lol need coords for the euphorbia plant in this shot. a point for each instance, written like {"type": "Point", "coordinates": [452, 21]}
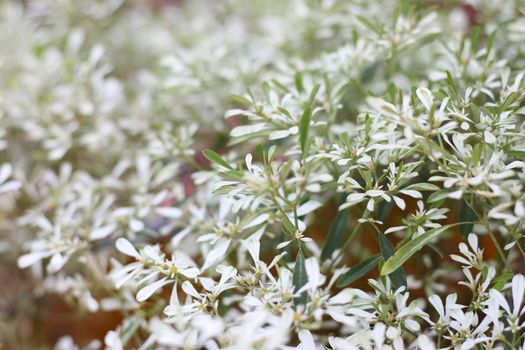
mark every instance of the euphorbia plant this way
{"type": "Point", "coordinates": [234, 186]}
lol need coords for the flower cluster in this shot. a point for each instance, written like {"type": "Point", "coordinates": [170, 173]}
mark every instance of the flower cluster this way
{"type": "Point", "coordinates": [230, 175]}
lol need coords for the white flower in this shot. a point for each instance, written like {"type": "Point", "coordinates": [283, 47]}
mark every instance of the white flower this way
{"type": "Point", "coordinates": [7, 186]}
{"type": "Point", "coordinates": [150, 263]}
{"type": "Point", "coordinates": [518, 303]}
{"type": "Point", "coordinates": [112, 341]}
{"type": "Point", "coordinates": [472, 257]}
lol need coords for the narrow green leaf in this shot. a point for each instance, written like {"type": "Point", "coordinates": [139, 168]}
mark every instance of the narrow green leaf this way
{"type": "Point", "coordinates": [392, 92]}
{"type": "Point", "coordinates": [466, 215]}
{"type": "Point", "coordinates": [129, 332]}
{"type": "Point", "coordinates": [438, 196]}
{"type": "Point", "coordinates": [368, 24]}
{"type": "Point", "coordinates": [287, 227]}
{"type": "Point", "coordinates": [490, 41]}
{"type": "Point", "coordinates": [452, 85]}
{"type": "Point", "coordinates": [358, 271]}
{"type": "Point", "coordinates": [285, 112]}
{"type": "Point", "coordinates": [214, 157]}
{"type": "Point", "coordinates": [518, 152]}
{"type": "Point", "coordinates": [280, 86]}
{"type": "Point", "coordinates": [369, 72]}
{"type": "Point", "coordinates": [313, 94]}
{"type": "Point", "coordinates": [474, 37]}
{"type": "Point", "coordinates": [422, 187]}
{"type": "Point", "coordinates": [509, 100]}
{"type": "Point", "coordinates": [266, 90]}
{"type": "Point", "coordinates": [500, 281]}
{"type": "Point", "coordinates": [398, 277]}
{"type": "Point", "coordinates": [241, 100]}
{"type": "Point", "coordinates": [300, 278]}
{"type": "Point", "coordinates": [335, 234]}
{"type": "Point", "coordinates": [383, 209]}
{"type": "Point", "coordinates": [405, 252]}
{"type": "Point", "coordinates": [304, 128]}
{"type": "Point", "coordinates": [298, 78]}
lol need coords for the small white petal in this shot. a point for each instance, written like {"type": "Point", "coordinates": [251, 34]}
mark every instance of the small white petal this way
{"type": "Point", "coordinates": [412, 193]}
{"type": "Point", "coordinates": [136, 225]}
{"type": "Point", "coordinates": [400, 203]}
{"type": "Point", "coordinates": [10, 186]}
{"type": "Point", "coordinates": [473, 241]}
{"type": "Point", "coordinates": [189, 289]}
{"type": "Point", "coordinates": [216, 254]}
{"type": "Point", "coordinates": [57, 262]}
{"type": "Point", "coordinates": [518, 290]}
{"type": "Point", "coordinates": [394, 229]}
{"type": "Point", "coordinates": [169, 212]}
{"type": "Point", "coordinates": [257, 221]}
{"type": "Point", "coordinates": [31, 258]}
{"type": "Point", "coordinates": [147, 291]}
{"type": "Point", "coordinates": [425, 96]}
{"type": "Point", "coordinates": [5, 171]}
{"type": "Point", "coordinates": [489, 137]}
{"type": "Point", "coordinates": [307, 341]}
{"type": "Point", "coordinates": [374, 193]}
{"type": "Point", "coordinates": [102, 232]}
{"type": "Point", "coordinates": [191, 272]}
{"type": "Point", "coordinates": [308, 207]}
{"type": "Point", "coordinates": [125, 247]}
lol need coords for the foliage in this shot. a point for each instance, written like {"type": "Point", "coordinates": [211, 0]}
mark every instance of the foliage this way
{"type": "Point", "coordinates": [172, 163]}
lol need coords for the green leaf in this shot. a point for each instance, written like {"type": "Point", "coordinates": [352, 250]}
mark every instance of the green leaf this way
{"type": "Point", "coordinates": [304, 128]}
{"type": "Point", "coordinates": [518, 152]}
{"type": "Point", "coordinates": [266, 90]}
{"type": "Point", "coordinates": [129, 332]}
{"type": "Point", "coordinates": [358, 271]}
{"type": "Point", "coordinates": [398, 277]}
{"type": "Point", "coordinates": [241, 100]}
{"type": "Point", "coordinates": [466, 215]}
{"type": "Point", "coordinates": [369, 24]}
{"type": "Point", "coordinates": [422, 187]}
{"type": "Point", "coordinates": [280, 86]}
{"type": "Point", "coordinates": [499, 281]}
{"type": "Point", "coordinates": [509, 100]}
{"type": "Point", "coordinates": [214, 157]}
{"type": "Point", "coordinates": [298, 79]}
{"type": "Point", "coordinates": [300, 278]}
{"type": "Point", "coordinates": [452, 85]}
{"type": "Point", "coordinates": [313, 94]}
{"type": "Point", "coordinates": [490, 41]}
{"type": "Point", "coordinates": [405, 252]}
{"type": "Point", "coordinates": [369, 72]}
{"type": "Point", "coordinates": [335, 234]}
{"type": "Point", "coordinates": [287, 227]}
{"type": "Point", "coordinates": [392, 90]}
{"type": "Point", "coordinates": [383, 209]}
{"type": "Point", "coordinates": [438, 196]}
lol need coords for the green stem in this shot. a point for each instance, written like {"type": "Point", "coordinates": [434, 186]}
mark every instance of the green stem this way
{"type": "Point", "coordinates": [484, 220]}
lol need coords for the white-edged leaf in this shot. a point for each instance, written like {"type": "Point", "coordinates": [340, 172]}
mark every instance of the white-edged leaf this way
{"type": "Point", "coordinates": [244, 130]}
